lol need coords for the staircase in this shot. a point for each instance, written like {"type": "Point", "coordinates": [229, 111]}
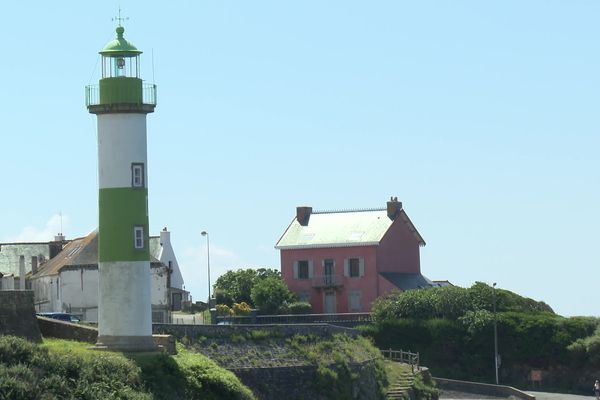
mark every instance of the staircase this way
{"type": "Point", "coordinates": [401, 389]}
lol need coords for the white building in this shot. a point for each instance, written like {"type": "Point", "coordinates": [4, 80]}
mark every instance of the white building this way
{"type": "Point", "coordinates": [68, 282]}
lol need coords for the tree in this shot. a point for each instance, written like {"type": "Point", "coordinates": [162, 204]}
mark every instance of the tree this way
{"type": "Point", "coordinates": [271, 294]}
{"type": "Point", "coordinates": [236, 286]}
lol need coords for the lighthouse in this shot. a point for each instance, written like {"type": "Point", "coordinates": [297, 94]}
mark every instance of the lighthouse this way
{"type": "Point", "coordinates": [121, 101]}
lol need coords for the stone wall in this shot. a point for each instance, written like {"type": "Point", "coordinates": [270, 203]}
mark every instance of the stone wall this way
{"type": "Point", "coordinates": [83, 333]}
{"type": "Point", "coordinates": [194, 331]}
{"type": "Point", "coordinates": [67, 330]}
{"type": "Point", "coordinates": [300, 383]}
{"type": "Point", "coordinates": [17, 315]}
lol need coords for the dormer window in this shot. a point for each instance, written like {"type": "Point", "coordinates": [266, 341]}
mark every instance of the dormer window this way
{"type": "Point", "coordinates": [137, 175]}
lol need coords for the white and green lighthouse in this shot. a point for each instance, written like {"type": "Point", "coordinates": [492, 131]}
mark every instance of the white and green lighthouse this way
{"type": "Point", "coordinates": [121, 102]}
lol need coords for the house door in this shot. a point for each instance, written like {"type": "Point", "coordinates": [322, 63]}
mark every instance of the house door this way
{"type": "Point", "coordinates": [329, 302]}
{"type": "Point", "coordinates": [176, 305]}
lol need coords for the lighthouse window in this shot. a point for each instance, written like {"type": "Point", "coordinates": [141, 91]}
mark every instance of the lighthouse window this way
{"type": "Point", "coordinates": [137, 174]}
{"type": "Point", "coordinates": [138, 237]}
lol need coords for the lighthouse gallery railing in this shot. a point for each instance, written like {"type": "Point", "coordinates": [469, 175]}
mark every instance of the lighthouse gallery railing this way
{"type": "Point", "coordinates": [92, 94]}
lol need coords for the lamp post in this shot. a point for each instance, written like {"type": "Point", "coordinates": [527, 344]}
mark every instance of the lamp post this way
{"type": "Point", "coordinates": [495, 332]}
{"type": "Point", "coordinates": [204, 233]}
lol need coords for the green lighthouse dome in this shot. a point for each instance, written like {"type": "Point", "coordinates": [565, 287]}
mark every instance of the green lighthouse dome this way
{"type": "Point", "coordinates": [120, 46]}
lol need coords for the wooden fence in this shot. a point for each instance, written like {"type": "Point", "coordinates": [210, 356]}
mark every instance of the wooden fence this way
{"type": "Point", "coordinates": [402, 356]}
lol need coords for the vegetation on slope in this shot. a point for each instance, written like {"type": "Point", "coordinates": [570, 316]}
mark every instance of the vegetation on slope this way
{"type": "Point", "coordinates": [69, 370]}
{"type": "Point", "coordinates": [452, 329]}
{"type": "Point", "coordinates": [333, 357]}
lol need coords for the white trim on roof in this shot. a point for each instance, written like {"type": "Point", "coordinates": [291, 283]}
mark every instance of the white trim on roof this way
{"type": "Point", "coordinates": [324, 245]}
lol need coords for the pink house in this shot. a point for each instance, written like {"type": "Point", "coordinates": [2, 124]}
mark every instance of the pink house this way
{"type": "Point", "coordinates": [340, 261]}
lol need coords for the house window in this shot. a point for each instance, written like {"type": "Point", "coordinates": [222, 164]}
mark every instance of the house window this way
{"type": "Point", "coordinates": [304, 296]}
{"type": "Point", "coordinates": [137, 174]}
{"type": "Point", "coordinates": [303, 269]}
{"type": "Point", "coordinates": [138, 237]}
{"type": "Point", "coordinates": [354, 267]}
{"type": "Point", "coordinates": [328, 271]}
{"type": "Point", "coordinates": [354, 301]}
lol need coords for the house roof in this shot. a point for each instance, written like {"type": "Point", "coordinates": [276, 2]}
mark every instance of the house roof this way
{"type": "Point", "coordinates": [341, 229]}
{"type": "Point", "coordinates": [406, 281]}
{"type": "Point", "coordinates": [79, 252]}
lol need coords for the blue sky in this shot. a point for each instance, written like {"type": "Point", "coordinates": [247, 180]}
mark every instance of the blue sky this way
{"type": "Point", "coordinates": [481, 117]}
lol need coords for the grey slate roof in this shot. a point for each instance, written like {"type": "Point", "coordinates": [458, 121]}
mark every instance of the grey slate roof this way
{"type": "Point", "coordinates": [341, 229]}
{"type": "Point", "coordinates": [406, 281]}
{"type": "Point", "coordinates": [79, 252]}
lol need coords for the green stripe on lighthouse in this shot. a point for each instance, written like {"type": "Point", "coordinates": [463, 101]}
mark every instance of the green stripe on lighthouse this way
{"type": "Point", "coordinates": [121, 209]}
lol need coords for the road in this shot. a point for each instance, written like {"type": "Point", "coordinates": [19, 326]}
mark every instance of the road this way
{"type": "Point", "coordinates": [451, 395]}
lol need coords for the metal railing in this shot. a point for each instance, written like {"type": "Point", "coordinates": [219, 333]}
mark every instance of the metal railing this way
{"type": "Point", "coordinates": [344, 319]}
{"type": "Point", "coordinates": [402, 356]}
{"type": "Point", "coordinates": [326, 281]}
{"type": "Point", "coordinates": [92, 94]}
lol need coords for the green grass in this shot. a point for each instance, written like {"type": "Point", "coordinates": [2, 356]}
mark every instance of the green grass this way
{"type": "Point", "coordinates": [395, 371]}
{"type": "Point", "coordinates": [69, 370]}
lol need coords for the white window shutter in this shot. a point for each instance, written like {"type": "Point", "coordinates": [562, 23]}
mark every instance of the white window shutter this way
{"type": "Point", "coordinates": [346, 267]}
{"type": "Point", "coordinates": [311, 269]}
{"type": "Point", "coordinates": [295, 269]}
{"type": "Point", "coordinates": [361, 267]}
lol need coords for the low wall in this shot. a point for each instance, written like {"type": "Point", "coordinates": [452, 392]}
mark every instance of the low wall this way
{"type": "Point", "coordinates": [482, 388]}
{"type": "Point", "coordinates": [17, 315]}
{"type": "Point", "coordinates": [194, 331]}
{"type": "Point", "coordinates": [66, 330]}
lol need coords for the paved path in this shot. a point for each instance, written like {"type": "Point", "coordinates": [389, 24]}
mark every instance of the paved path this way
{"type": "Point", "coordinates": [559, 396]}
{"type": "Point", "coordinates": [452, 395]}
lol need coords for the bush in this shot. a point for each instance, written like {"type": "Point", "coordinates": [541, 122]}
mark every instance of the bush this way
{"type": "Point", "coordinates": [299, 307]}
{"type": "Point", "coordinates": [241, 308]}
{"type": "Point", "coordinates": [62, 369]}
{"type": "Point", "coordinates": [271, 294]}
{"type": "Point", "coordinates": [451, 302]}
{"type": "Point", "coordinates": [223, 309]}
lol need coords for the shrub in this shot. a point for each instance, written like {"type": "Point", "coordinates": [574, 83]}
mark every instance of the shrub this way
{"type": "Point", "coordinates": [241, 308]}
{"type": "Point", "coordinates": [299, 307]}
{"type": "Point", "coordinates": [271, 294]}
{"type": "Point", "coordinates": [223, 309]}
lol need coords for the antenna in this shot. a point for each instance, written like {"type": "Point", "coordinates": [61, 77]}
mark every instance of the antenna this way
{"type": "Point", "coordinates": [119, 19]}
{"type": "Point", "coordinates": [61, 227]}
{"type": "Point", "coordinates": [153, 80]}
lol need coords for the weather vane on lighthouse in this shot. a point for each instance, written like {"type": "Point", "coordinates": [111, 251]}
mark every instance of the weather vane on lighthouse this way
{"type": "Point", "coordinates": [119, 19]}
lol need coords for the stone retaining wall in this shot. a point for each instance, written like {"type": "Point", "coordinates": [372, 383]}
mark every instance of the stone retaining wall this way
{"type": "Point", "coordinates": [300, 383]}
{"type": "Point", "coordinates": [17, 315]}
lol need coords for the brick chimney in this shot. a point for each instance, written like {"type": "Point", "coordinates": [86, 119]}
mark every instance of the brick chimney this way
{"type": "Point", "coordinates": [34, 264]}
{"type": "Point", "coordinates": [393, 208]}
{"type": "Point", "coordinates": [303, 215]}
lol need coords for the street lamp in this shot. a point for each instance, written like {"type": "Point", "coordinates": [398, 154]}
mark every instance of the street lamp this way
{"type": "Point", "coordinates": [204, 233]}
{"type": "Point", "coordinates": [495, 333]}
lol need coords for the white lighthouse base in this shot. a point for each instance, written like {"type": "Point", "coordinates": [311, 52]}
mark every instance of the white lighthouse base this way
{"type": "Point", "coordinates": [124, 306]}
{"type": "Point", "coordinates": [126, 343]}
